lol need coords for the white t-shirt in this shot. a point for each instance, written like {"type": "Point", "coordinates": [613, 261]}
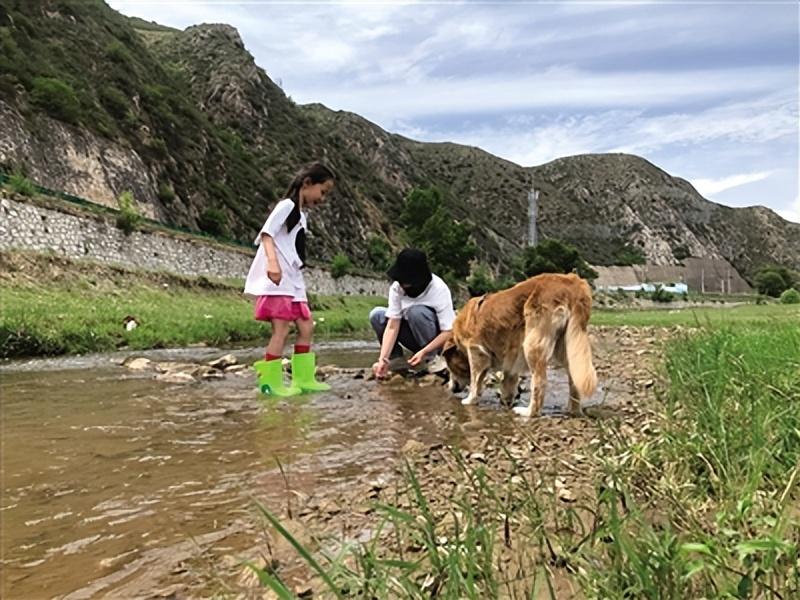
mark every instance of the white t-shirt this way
{"type": "Point", "coordinates": [436, 295]}
{"type": "Point", "coordinates": [292, 283]}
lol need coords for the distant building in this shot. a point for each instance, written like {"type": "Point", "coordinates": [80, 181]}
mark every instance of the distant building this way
{"type": "Point", "coordinates": [675, 288]}
{"type": "Point", "coordinates": [704, 275]}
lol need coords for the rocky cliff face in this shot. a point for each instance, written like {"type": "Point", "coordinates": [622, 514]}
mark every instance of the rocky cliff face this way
{"type": "Point", "coordinates": [189, 122]}
{"type": "Point", "coordinates": [75, 161]}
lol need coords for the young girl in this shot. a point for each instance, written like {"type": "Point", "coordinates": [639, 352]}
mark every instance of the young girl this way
{"type": "Point", "coordinates": [276, 280]}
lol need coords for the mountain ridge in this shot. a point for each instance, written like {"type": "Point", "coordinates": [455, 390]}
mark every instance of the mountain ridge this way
{"type": "Point", "coordinates": [190, 122]}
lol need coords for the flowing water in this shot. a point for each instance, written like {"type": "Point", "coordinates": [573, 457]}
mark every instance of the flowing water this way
{"type": "Point", "coordinates": [112, 480]}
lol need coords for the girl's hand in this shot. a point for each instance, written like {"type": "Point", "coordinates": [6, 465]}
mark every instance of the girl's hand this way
{"type": "Point", "coordinates": [275, 275]}
{"type": "Point", "coordinates": [417, 358]}
{"type": "Point", "coordinates": [380, 369]}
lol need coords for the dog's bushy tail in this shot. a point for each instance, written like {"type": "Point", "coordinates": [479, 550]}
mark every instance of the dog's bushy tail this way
{"type": "Point", "coordinates": [579, 353]}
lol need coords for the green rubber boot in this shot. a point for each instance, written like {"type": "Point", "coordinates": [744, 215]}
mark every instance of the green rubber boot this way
{"type": "Point", "coordinates": [270, 378]}
{"type": "Point", "coordinates": [303, 373]}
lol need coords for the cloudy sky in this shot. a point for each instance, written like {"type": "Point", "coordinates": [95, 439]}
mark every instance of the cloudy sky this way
{"type": "Point", "coordinates": [706, 90]}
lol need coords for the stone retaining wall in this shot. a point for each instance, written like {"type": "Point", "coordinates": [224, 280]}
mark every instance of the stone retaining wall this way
{"type": "Point", "coordinates": [26, 226]}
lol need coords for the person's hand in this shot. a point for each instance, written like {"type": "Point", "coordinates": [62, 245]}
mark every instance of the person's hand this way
{"type": "Point", "coordinates": [380, 369]}
{"type": "Point", "coordinates": [275, 275]}
{"type": "Point", "coordinates": [417, 358]}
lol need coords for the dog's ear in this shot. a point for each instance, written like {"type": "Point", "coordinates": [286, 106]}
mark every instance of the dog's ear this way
{"type": "Point", "coordinates": [449, 349]}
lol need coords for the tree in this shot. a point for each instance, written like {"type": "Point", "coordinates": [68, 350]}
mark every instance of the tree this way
{"type": "Point", "coordinates": [430, 227]}
{"type": "Point", "coordinates": [554, 256]}
{"type": "Point", "coordinates": [420, 205]}
{"type": "Point", "coordinates": [773, 280]}
{"type": "Point", "coordinates": [770, 283]}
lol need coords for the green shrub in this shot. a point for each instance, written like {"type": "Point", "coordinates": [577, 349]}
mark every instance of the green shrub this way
{"type": "Point", "coordinates": [790, 296]}
{"type": "Point", "coordinates": [481, 282]}
{"type": "Point", "coordinates": [379, 252]}
{"type": "Point", "coordinates": [340, 265]}
{"type": "Point", "coordinates": [213, 221]}
{"type": "Point", "coordinates": [662, 295]}
{"type": "Point", "coordinates": [166, 194]}
{"type": "Point", "coordinates": [21, 185]}
{"type": "Point", "coordinates": [114, 102]}
{"type": "Point", "coordinates": [118, 53]}
{"type": "Point", "coordinates": [128, 218]}
{"type": "Point", "coordinates": [681, 252]}
{"type": "Point", "coordinates": [57, 98]}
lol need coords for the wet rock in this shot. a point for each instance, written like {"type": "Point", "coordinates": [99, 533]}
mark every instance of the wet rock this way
{"type": "Point", "coordinates": [175, 377]}
{"type": "Point", "coordinates": [212, 374]}
{"type": "Point", "coordinates": [327, 370]}
{"type": "Point", "coordinates": [429, 380]}
{"type": "Point", "coordinates": [478, 456]}
{"type": "Point", "coordinates": [137, 364]}
{"type": "Point", "coordinates": [414, 447]}
{"type": "Point", "coordinates": [223, 362]}
{"type": "Point", "coordinates": [177, 367]}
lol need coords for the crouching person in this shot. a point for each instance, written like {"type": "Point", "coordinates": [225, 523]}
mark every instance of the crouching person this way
{"type": "Point", "coordinates": [419, 317]}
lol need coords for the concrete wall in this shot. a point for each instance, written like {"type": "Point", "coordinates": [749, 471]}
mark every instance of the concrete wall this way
{"type": "Point", "coordinates": [27, 226]}
{"type": "Point", "coordinates": [711, 275]}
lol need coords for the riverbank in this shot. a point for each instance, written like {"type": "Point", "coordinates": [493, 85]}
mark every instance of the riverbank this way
{"type": "Point", "coordinates": [52, 306]}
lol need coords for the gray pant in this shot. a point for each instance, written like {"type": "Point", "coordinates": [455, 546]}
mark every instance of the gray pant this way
{"type": "Point", "coordinates": [419, 327]}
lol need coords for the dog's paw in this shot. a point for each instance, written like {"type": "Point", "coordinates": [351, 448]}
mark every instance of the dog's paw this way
{"type": "Point", "coordinates": [468, 400]}
{"type": "Point", "coordinates": [522, 411]}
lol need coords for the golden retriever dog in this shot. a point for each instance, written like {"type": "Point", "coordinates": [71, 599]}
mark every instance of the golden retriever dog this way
{"type": "Point", "coordinates": [519, 330]}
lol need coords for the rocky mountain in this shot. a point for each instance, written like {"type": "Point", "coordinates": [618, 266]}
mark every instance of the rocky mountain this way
{"type": "Point", "coordinates": [95, 103]}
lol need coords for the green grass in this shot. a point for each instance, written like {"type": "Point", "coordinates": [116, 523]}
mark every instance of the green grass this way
{"type": "Point", "coordinates": [88, 317]}
{"type": "Point", "coordinates": [704, 505]}
{"type": "Point", "coordinates": [710, 316]}
{"type": "Point", "coordinates": [712, 501]}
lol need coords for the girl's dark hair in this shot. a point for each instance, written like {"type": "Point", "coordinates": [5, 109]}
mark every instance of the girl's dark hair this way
{"type": "Point", "coordinates": [316, 173]}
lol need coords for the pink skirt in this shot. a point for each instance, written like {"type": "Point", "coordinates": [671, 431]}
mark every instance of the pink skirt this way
{"type": "Point", "coordinates": [281, 307]}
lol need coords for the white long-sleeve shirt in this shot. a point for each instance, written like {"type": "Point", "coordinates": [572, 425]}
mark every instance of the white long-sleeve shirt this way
{"type": "Point", "coordinates": [292, 283]}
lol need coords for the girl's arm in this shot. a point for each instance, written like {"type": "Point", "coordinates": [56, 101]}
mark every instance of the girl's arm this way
{"type": "Point", "coordinates": [390, 334]}
{"type": "Point", "coordinates": [273, 266]}
{"type": "Point", "coordinates": [433, 345]}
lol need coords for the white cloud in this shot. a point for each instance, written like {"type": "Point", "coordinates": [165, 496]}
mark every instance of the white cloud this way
{"type": "Point", "coordinates": [558, 88]}
{"type": "Point", "coordinates": [702, 90]}
{"type": "Point", "coordinates": [793, 212]}
{"type": "Point", "coordinates": [710, 187]}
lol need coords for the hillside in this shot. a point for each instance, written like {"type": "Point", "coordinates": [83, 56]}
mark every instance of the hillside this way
{"type": "Point", "coordinates": [95, 103]}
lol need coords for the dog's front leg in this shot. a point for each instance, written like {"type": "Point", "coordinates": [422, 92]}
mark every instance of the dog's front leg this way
{"type": "Point", "coordinates": [479, 363]}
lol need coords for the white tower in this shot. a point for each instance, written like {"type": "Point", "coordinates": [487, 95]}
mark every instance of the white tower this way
{"type": "Point", "coordinates": [533, 212]}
